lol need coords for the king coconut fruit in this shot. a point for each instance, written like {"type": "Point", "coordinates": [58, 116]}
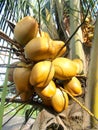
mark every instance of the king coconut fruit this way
{"type": "Point", "coordinates": [25, 30]}
{"type": "Point", "coordinates": [59, 100]}
{"type": "Point", "coordinates": [64, 68]}
{"type": "Point", "coordinates": [79, 64]}
{"type": "Point", "coordinates": [42, 73]}
{"type": "Point", "coordinates": [42, 48]}
{"type": "Point", "coordinates": [21, 77]}
{"type": "Point", "coordinates": [58, 48]}
{"type": "Point", "coordinates": [47, 92]}
{"type": "Point", "coordinates": [73, 86]}
{"type": "Point", "coordinates": [38, 49]}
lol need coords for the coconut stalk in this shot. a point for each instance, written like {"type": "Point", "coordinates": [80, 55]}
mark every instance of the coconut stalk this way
{"type": "Point", "coordinates": [76, 48]}
{"type": "Point", "coordinates": [92, 83]}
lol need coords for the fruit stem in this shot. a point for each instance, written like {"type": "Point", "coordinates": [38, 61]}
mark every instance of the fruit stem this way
{"type": "Point", "coordinates": [39, 17]}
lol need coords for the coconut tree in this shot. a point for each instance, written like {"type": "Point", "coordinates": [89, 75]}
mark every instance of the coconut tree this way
{"type": "Point", "coordinates": [66, 20]}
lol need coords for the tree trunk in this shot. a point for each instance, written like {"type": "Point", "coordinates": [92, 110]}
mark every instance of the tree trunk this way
{"type": "Point", "coordinates": [92, 84]}
{"type": "Point", "coordinates": [76, 48]}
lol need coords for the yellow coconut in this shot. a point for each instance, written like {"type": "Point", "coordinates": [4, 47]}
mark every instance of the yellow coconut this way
{"type": "Point", "coordinates": [45, 99]}
{"type": "Point", "coordinates": [25, 30]}
{"type": "Point", "coordinates": [47, 91]}
{"type": "Point", "coordinates": [64, 68]}
{"type": "Point", "coordinates": [38, 49]}
{"type": "Point", "coordinates": [41, 48]}
{"type": "Point", "coordinates": [73, 86]}
{"type": "Point", "coordinates": [58, 48]}
{"type": "Point", "coordinates": [79, 64]}
{"type": "Point", "coordinates": [60, 100]}
{"type": "Point", "coordinates": [42, 73]}
{"type": "Point", "coordinates": [21, 77]}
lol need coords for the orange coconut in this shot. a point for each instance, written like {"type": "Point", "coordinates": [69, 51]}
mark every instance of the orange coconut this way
{"type": "Point", "coordinates": [79, 64]}
{"type": "Point", "coordinates": [45, 99]}
{"type": "Point", "coordinates": [64, 68]}
{"type": "Point", "coordinates": [38, 49]}
{"type": "Point", "coordinates": [21, 77]}
{"type": "Point", "coordinates": [73, 86]}
{"type": "Point", "coordinates": [57, 48]}
{"type": "Point", "coordinates": [25, 30]}
{"type": "Point", "coordinates": [60, 100]}
{"type": "Point", "coordinates": [47, 91]}
{"type": "Point", "coordinates": [42, 73]}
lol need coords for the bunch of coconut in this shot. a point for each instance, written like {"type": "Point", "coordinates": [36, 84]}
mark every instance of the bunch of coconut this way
{"type": "Point", "coordinates": [47, 67]}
